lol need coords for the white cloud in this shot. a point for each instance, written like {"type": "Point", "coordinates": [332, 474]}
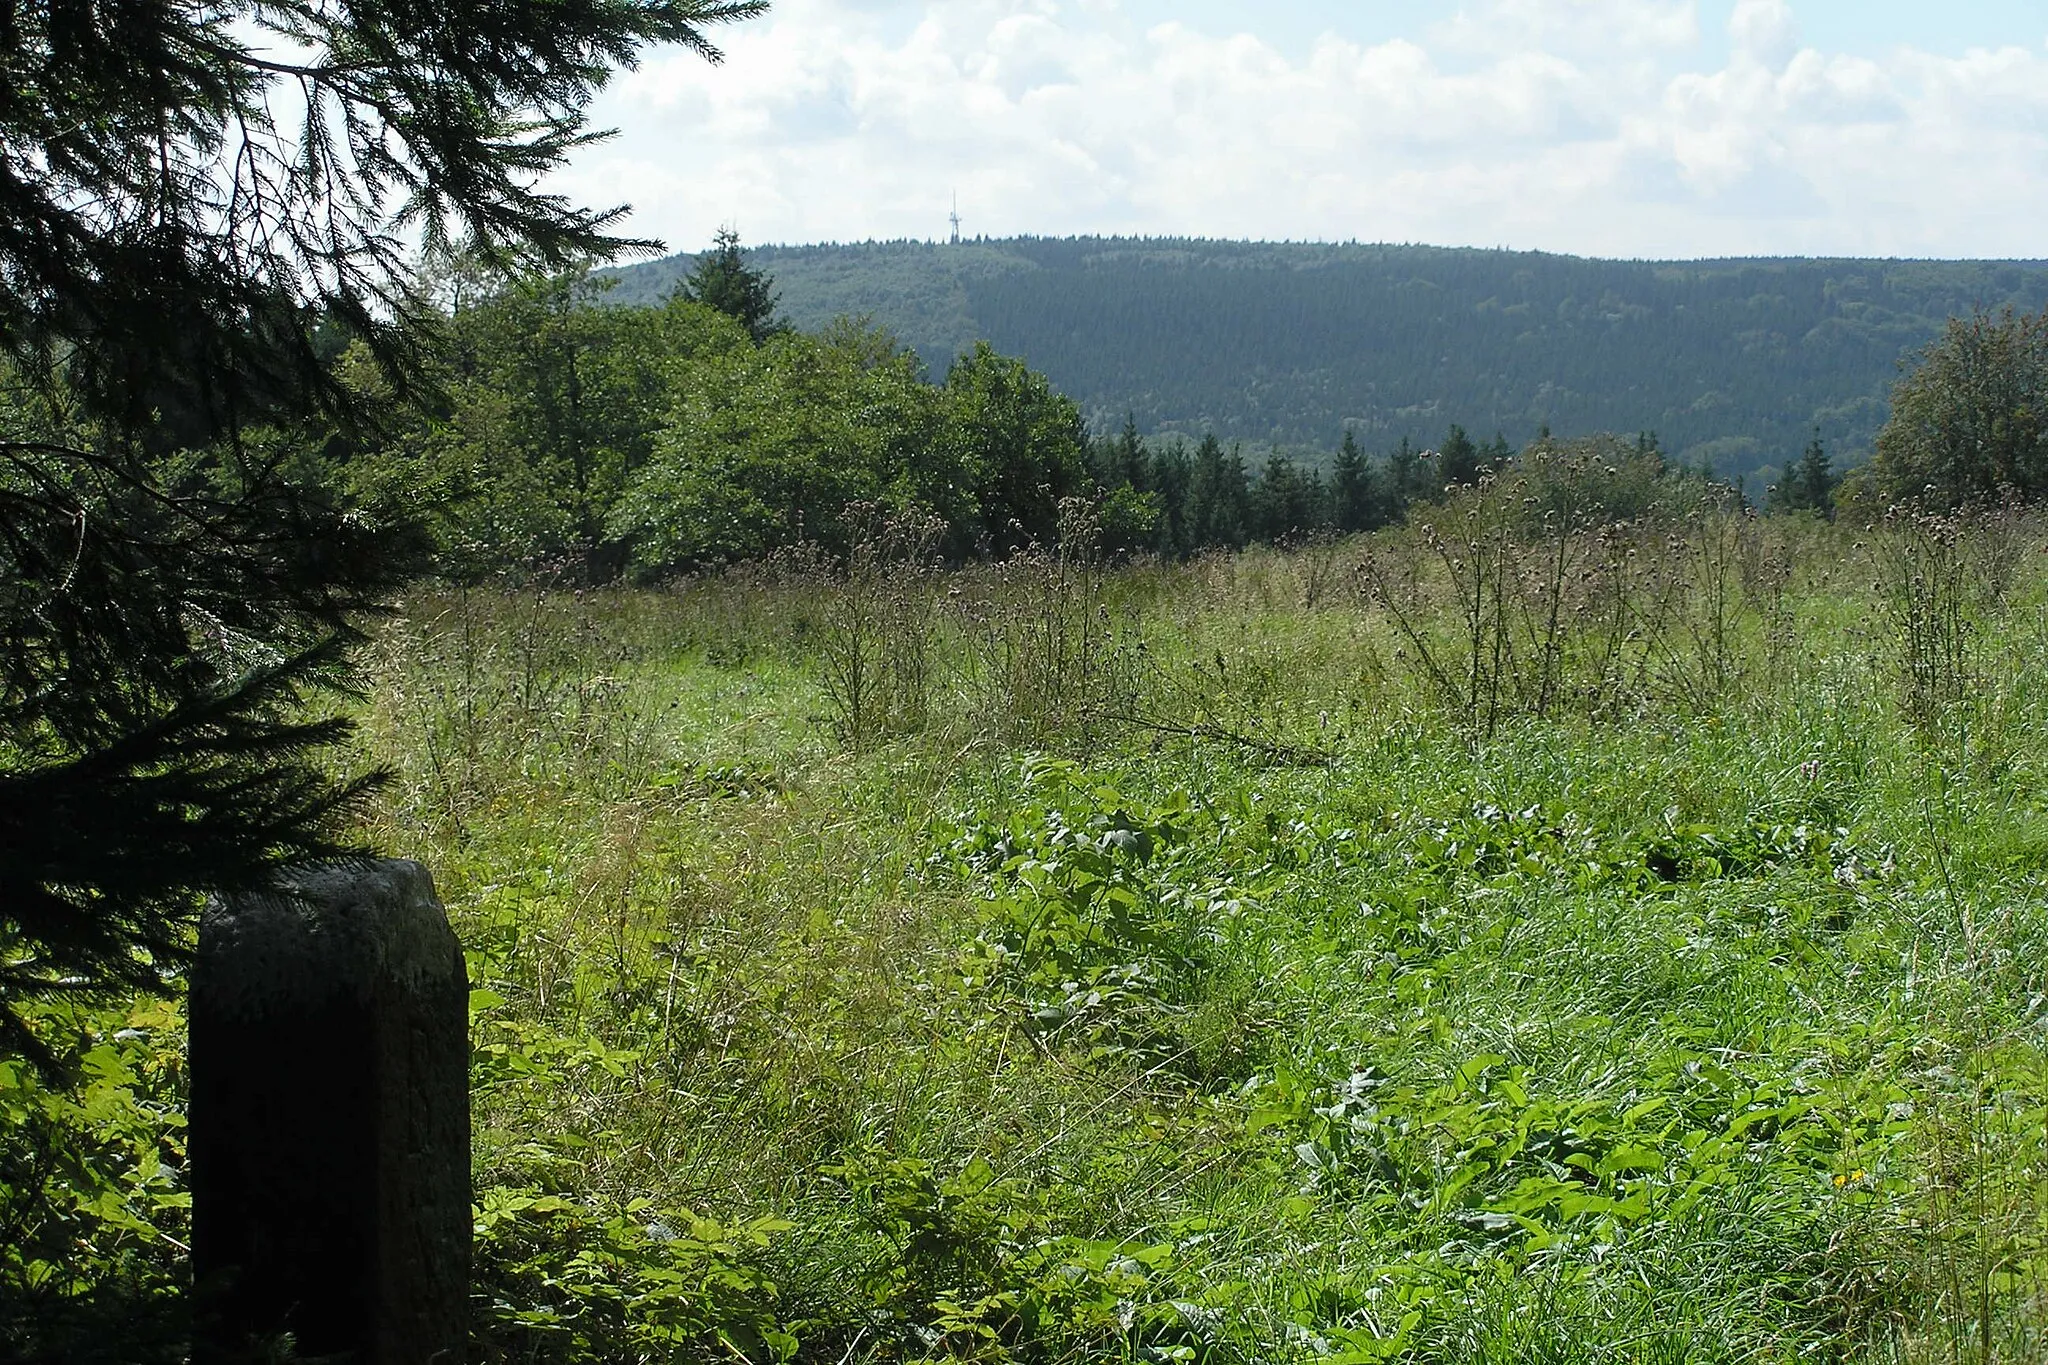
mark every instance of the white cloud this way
{"type": "Point", "coordinates": [1576, 125]}
{"type": "Point", "coordinates": [1605, 28]}
{"type": "Point", "coordinates": [1764, 31]}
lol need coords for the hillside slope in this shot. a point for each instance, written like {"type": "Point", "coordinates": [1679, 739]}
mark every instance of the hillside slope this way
{"type": "Point", "coordinates": [1736, 362]}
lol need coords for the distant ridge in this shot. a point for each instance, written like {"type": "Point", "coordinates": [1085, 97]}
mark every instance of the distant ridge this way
{"type": "Point", "coordinates": [1735, 362]}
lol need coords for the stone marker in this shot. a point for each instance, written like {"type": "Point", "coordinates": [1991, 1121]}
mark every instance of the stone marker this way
{"type": "Point", "coordinates": [329, 1121]}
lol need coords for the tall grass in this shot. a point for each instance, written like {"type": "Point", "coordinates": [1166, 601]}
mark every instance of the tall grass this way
{"type": "Point", "coordinates": [1540, 936]}
{"type": "Point", "coordinates": [1522, 937]}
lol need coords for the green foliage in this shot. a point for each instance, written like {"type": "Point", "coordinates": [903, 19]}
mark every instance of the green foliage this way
{"type": "Point", "coordinates": [588, 439]}
{"type": "Point", "coordinates": [1324, 1026]}
{"type": "Point", "coordinates": [770, 447]}
{"type": "Point", "coordinates": [153, 280]}
{"type": "Point", "coordinates": [876, 647]}
{"type": "Point", "coordinates": [1219, 497]}
{"type": "Point", "coordinates": [1944, 582]}
{"type": "Point", "coordinates": [178, 266]}
{"type": "Point", "coordinates": [1354, 507]}
{"type": "Point", "coordinates": [725, 282]}
{"type": "Point", "coordinates": [551, 407]}
{"type": "Point", "coordinates": [595, 438]}
{"type": "Point", "coordinates": [1019, 444]}
{"type": "Point", "coordinates": [1602, 480]}
{"type": "Point", "coordinates": [1457, 461]}
{"type": "Point", "coordinates": [557, 1281]}
{"type": "Point", "coordinates": [1042, 651]}
{"type": "Point", "coordinates": [973, 1271]}
{"type": "Point", "coordinates": [93, 1209]}
{"type": "Point", "coordinates": [1969, 424]}
{"type": "Point", "coordinates": [1293, 344]}
{"type": "Point", "coordinates": [1286, 504]}
{"type": "Point", "coordinates": [1079, 935]}
{"type": "Point", "coordinates": [1809, 486]}
{"type": "Point", "coordinates": [1569, 586]}
{"type": "Point", "coordinates": [161, 639]}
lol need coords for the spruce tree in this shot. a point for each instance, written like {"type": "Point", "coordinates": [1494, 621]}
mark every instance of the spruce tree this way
{"type": "Point", "coordinates": [1458, 462]}
{"type": "Point", "coordinates": [1402, 468]}
{"type": "Point", "coordinates": [179, 262]}
{"type": "Point", "coordinates": [723, 280]}
{"type": "Point", "coordinates": [1169, 475]}
{"type": "Point", "coordinates": [1275, 501]}
{"type": "Point", "coordinates": [1219, 497]}
{"type": "Point", "coordinates": [1205, 494]}
{"type": "Point", "coordinates": [1808, 486]}
{"type": "Point", "coordinates": [1351, 487]}
{"type": "Point", "coordinates": [1236, 498]}
{"type": "Point", "coordinates": [1815, 481]}
{"type": "Point", "coordinates": [1316, 511]}
{"type": "Point", "coordinates": [1496, 454]}
{"type": "Point", "coordinates": [1128, 466]}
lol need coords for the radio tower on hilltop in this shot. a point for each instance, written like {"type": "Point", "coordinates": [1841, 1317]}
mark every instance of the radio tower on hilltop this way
{"type": "Point", "coordinates": [955, 218]}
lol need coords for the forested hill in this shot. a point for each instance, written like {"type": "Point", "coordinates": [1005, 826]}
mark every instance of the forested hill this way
{"type": "Point", "coordinates": [1735, 361]}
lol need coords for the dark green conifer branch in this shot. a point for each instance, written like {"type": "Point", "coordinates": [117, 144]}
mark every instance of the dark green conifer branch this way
{"type": "Point", "coordinates": [200, 206]}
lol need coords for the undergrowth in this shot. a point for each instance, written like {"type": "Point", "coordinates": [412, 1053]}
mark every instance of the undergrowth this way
{"type": "Point", "coordinates": [1625, 951]}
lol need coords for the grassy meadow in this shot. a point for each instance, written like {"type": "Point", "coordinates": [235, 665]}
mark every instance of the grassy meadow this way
{"type": "Point", "coordinates": [1483, 941]}
{"type": "Point", "coordinates": [1625, 944]}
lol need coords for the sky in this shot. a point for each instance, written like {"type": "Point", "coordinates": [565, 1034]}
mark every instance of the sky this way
{"type": "Point", "coordinates": [1632, 128]}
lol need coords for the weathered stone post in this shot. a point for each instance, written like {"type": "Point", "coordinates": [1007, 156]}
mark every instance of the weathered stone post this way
{"type": "Point", "coordinates": [329, 1121]}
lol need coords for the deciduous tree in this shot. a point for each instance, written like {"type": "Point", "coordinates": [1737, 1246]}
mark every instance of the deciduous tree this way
{"type": "Point", "coordinates": [1971, 420]}
{"type": "Point", "coordinates": [1019, 441]}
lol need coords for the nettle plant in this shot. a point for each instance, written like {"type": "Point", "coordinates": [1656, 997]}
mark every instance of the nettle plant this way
{"type": "Point", "coordinates": [1091, 940]}
{"type": "Point", "coordinates": [981, 1264]}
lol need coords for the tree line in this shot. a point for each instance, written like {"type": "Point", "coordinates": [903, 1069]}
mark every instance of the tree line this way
{"type": "Point", "coordinates": [570, 433]}
{"type": "Point", "coordinates": [1171, 499]}
{"type": "Point", "coordinates": [610, 441]}
{"type": "Point", "coordinates": [1733, 362]}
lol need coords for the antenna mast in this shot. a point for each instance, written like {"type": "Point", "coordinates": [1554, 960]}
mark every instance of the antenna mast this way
{"type": "Point", "coordinates": [955, 219]}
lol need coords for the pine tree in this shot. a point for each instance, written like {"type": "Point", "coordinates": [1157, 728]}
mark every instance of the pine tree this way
{"type": "Point", "coordinates": [178, 267]}
{"type": "Point", "coordinates": [723, 280]}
